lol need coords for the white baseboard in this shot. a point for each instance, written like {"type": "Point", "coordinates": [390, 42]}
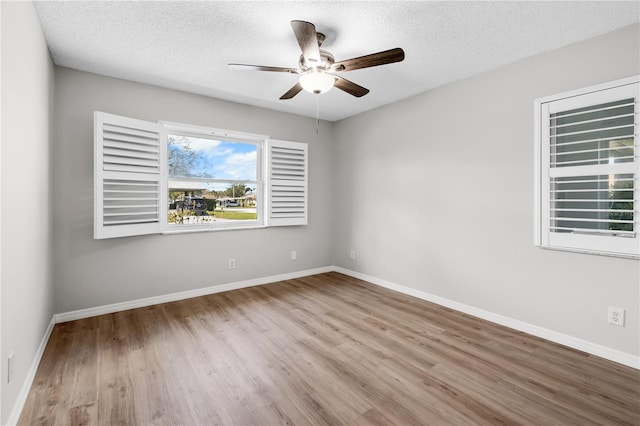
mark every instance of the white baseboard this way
{"type": "Point", "coordinates": [563, 339]}
{"type": "Point", "coordinates": [139, 303]}
{"type": "Point", "coordinates": [14, 416]}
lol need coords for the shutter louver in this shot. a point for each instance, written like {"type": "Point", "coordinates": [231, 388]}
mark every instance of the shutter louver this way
{"type": "Point", "coordinates": [130, 201]}
{"type": "Point", "coordinates": [130, 150]}
{"type": "Point", "coordinates": [602, 137]}
{"type": "Point", "coordinates": [287, 183]}
{"type": "Point", "coordinates": [129, 176]}
{"type": "Point", "coordinates": [600, 134]}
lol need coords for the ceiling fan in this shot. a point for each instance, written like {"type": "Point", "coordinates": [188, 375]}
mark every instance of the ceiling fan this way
{"type": "Point", "coordinates": [318, 69]}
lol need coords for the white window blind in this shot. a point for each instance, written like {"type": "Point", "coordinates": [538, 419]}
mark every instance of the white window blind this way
{"type": "Point", "coordinates": [287, 183]}
{"type": "Point", "coordinates": [588, 178]}
{"type": "Point", "coordinates": [130, 181]}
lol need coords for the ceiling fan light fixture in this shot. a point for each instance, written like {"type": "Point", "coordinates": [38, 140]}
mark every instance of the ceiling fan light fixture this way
{"type": "Point", "coordinates": [317, 81]}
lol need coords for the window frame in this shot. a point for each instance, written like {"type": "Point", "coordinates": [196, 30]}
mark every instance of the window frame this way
{"type": "Point", "coordinates": [543, 108]}
{"type": "Point", "coordinates": [201, 132]}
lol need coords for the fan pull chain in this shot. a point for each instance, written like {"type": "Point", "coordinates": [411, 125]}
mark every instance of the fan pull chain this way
{"type": "Point", "coordinates": [317, 113]}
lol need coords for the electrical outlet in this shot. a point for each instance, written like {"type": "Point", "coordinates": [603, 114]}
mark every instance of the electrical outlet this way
{"type": "Point", "coordinates": [616, 316]}
{"type": "Point", "coordinates": [352, 254]}
{"type": "Point", "coordinates": [232, 264]}
{"type": "Point", "coordinates": [294, 255]}
{"type": "Point", "coordinates": [10, 370]}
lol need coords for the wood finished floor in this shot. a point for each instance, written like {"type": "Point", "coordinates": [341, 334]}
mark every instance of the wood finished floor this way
{"type": "Point", "coordinates": [325, 349]}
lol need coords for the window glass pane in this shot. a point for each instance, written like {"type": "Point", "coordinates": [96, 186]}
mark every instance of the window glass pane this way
{"type": "Point", "coordinates": [211, 181]}
{"type": "Point", "coordinates": [213, 203]}
{"type": "Point", "coordinates": [191, 157]}
{"type": "Point", "coordinates": [600, 204]}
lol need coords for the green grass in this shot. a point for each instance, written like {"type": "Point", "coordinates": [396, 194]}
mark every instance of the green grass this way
{"type": "Point", "coordinates": [230, 214]}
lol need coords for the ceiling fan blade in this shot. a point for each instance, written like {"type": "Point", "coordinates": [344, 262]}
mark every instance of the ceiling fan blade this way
{"type": "Point", "coordinates": [308, 40]}
{"type": "Point", "coordinates": [373, 60]}
{"type": "Point", "coordinates": [263, 68]}
{"type": "Point", "coordinates": [350, 87]}
{"type": "Point", "coordinates": [292, 92]}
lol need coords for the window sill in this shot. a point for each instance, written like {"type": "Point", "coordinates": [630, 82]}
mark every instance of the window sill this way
{"type": "Point", "coordinates": [212, 229]}
{"type": "Point", "coordinates": [596, 253]}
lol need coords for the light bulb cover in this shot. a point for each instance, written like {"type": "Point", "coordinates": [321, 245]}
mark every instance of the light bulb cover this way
{"type": "Point", "coordinates": [317, 82]}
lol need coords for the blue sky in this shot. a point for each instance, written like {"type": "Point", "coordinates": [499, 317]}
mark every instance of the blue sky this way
{"type": "Point", "coordinates": [221, 159]}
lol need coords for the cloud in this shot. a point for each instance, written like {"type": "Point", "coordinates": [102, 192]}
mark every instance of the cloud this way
{"type": "Point", "coordinates": [242, 158]}
{"type": "Point", "coordinates": [209, 147]}
{"type": "Point", "coordinates": [240, 166]}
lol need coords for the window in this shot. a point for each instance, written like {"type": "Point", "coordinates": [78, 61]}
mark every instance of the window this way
{"type": "Point", "coordinates": [213, 180]}
{"type": "Point", "coordinates": [165, 177]}
{"type": "Point", "coordinates": [587, 170]}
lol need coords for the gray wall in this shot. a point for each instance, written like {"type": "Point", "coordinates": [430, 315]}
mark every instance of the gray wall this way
{"type": "Point", "coordinates": [442, 197]}
{"type": "Point", "coordinates": [27, 285]}
{"type": "Point", "coordinates": [91, 273]}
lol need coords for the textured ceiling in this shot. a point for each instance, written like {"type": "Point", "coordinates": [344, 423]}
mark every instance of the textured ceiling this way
{"type": "Point", "coordinates": [187, 45]}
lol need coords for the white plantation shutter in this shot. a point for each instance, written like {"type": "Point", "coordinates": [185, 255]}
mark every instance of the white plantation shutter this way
{"type": "Point", "coordinates": [589, 159]}
{"type": "Point", "coordinates": [130, 176]}
{"type": "Point", "coordinates": [287, 175]}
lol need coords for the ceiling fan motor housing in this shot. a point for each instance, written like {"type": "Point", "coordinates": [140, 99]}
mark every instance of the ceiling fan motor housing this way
{"type": "Point", "coordinates": [326, 61]}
